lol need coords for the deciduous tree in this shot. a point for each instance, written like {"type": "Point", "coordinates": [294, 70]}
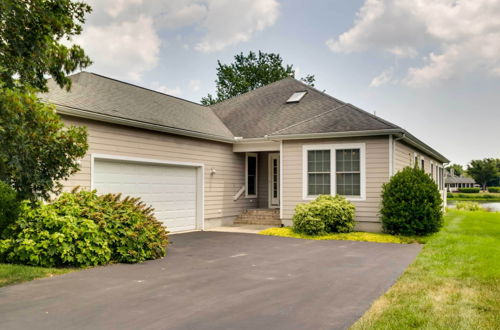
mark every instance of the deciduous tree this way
{"type": "Point", "coordinates": [483, 171]}
{"type": "Point", "coordinates": [249, 72]}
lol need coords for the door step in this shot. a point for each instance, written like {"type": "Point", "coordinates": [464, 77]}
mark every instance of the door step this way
{"type": "Point", "coordinates": [269, 217]}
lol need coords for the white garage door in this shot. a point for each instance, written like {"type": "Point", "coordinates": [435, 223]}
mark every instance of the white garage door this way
{"type": "Point", "coordinates": [171, 190]}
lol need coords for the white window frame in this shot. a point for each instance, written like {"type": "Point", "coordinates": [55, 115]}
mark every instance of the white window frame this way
{"type": "Point", "coordinates": [333, 170]}
{"type": "Point", "coordinates": [251, 154]}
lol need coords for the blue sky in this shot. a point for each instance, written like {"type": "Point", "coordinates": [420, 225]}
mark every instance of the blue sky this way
{"type": "Point", "coordinates": [432, 67]}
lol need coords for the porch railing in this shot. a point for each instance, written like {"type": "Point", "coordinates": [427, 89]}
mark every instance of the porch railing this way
{"type": "Point", "coordinates": [239, 193]}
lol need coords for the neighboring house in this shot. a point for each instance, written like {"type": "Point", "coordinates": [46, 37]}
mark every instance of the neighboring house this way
{"type": "Point", "coordinates": [273, 147]}
{"type": "Point", "coordinates": [452, 182]}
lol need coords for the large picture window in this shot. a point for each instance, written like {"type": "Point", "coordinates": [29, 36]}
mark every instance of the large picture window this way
{"type": "Point", "coordinates": [251, 175]}
{"type": "Point", "coordinates": [318, 172]}
{"type": "Point", "coordinates": [334, 169]}
{"type": "Point", "coordinates": [348, 172]}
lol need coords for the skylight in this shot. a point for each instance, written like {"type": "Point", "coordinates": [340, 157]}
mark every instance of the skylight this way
{"type": "Point", "coordinates": [296, 97]}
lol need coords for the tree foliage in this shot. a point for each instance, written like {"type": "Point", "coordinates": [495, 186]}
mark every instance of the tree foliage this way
{"type": "Point", "coordinates": [249, 72]}
{"type": "Point", "coordinates": [32, 33]}
{"type": "Point", "coordinates": [36, 150]}
{"type": "Point", "coordinates": [484, 171]}
{"type": "Point", "coordinates": [458, 170]}
{"type": "Point", "coordinates": [411, 204]}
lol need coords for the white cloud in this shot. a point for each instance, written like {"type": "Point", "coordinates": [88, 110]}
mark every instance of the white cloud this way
{"type": "Point", "coordinates": [122, 50]}
{"type": "Point", "coordinates": [229, 22]}
{"type": "Point", "coordinates": [452, 37]}
{"type": "Point", "coordinates": [382, 78]}
{"type": "Point", "coordinates": [166, 90]}
{"type": "Point", "coordinates": [194, 85]}
{"type": "Point", "coordinates": [122, 36]}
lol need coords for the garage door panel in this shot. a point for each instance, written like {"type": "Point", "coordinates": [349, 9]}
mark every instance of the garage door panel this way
{"type": "Point", "coordinates": [170, 190]}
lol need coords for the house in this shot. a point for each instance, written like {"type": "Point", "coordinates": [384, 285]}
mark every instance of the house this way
{"type": "Point", "coordinates": [265, 151]}
{"type": "Point", "coordinates": [453, 183]}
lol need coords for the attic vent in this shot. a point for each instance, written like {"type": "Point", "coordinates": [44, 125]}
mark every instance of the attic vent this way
{"type": "Point", "coordinates": [296, 97]}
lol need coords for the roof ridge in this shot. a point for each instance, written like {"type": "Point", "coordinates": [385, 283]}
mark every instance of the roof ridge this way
{"type": "Point", "coordinates": [311, 118]}
{"type": "Point", "coordinates": [353, 106]}
{"type": "Point", "coordinates": [141, 87]}
{"type": "Point", "coordinates": [251, 91]}
{"type": "Point", "coordinates": [374, 116]}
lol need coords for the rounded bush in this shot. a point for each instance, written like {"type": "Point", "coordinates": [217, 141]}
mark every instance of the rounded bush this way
{"type": "Point", "coordinates": [132, 231]}
{"type": "Point", "coordinates": [411, 204]}
{"type": "Point", "coordinates": [469, 190]}
{"type": "Point", "coordinates": [494, 189]}
{"type": "Point", "coordinates": [44, 238]}
{"type": "Point", "coordinates": [335, 213]}
{"type": "Point", "coordinates": [305, 223]}
{"type": "Point", "coordinates": [9, 206]}
{"type": "Point", "coordinates": [85, 229]}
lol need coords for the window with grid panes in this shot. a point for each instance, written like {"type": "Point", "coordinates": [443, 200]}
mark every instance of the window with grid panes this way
{"type": "Point", "coordinates": [318, 172]}
{"type": "Point", "coordinates": [348, 172]}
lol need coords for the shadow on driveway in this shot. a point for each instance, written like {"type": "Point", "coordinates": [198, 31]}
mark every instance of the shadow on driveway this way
{"type": "Point", "coordinates": [213, 280]}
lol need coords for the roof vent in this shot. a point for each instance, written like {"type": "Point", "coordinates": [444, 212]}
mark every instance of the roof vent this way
{"type": "Point", "coordinates": [296, 97]}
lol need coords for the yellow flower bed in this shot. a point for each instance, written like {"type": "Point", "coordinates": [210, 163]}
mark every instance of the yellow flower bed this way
{"type": "Point", "coordinates": [353, 236]}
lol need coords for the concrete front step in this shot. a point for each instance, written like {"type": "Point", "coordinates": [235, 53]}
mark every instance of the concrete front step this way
{"type": "Point", "coordinates": [259, 217]}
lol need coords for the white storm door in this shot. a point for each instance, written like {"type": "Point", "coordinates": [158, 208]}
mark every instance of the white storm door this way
{"type": "Point", "coordinates": [274, 180]}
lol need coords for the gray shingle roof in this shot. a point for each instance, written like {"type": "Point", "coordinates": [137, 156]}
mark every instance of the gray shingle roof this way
{"type": "Point", "coordinates": [98, 94]}
{"type": "Point", "coordinates": [264, 111]}
{"type": "Point", "coordinates": [458, 179]}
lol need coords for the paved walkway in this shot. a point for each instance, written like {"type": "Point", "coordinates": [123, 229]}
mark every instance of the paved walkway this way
{"type": "Point", "coordinates": [213, 280]}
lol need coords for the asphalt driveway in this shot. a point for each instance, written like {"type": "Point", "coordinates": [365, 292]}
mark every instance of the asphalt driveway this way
{"type": "Point", "coordinates": [214, 280]}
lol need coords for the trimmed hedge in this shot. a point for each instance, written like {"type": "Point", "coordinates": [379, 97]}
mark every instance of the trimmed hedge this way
{"type": "Point", "coordinates": [9, 206]}
{"type": "Point", "coordinates": [326, 214]}
{"type": "Point", "coordinates": [469, 190]}
{"type": "Point", "coordinates": [84, 229]}
{"type": "Point", "coordinates": [411, 204]}
{"type": "Point", "coordinates": [494, 189]}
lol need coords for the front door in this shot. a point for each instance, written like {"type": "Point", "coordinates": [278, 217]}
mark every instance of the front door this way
{"type": "Point", "coordinates": [274, 180]}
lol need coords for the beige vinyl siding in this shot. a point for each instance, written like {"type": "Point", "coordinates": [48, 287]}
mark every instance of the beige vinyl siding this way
{"type": "Point", "coordinates": [110, 139]}
{"type": "Point", "coordinates": [377, 173]}
{"type": "Point", "coordinates": [404, 155]}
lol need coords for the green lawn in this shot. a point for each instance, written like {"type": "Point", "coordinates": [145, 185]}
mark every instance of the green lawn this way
{"type": "Point", "coordinates": [11, 274]}
{"type": "Point", "coordinates": [481, 197]}
{"type": "Point", "coordinates": [353, 236]}
{"type": "Point", "coordinates": [453, 284]}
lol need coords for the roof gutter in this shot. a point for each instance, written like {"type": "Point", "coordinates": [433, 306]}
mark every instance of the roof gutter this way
{"type": "Point", "coordinates": [401, 133]}
{"type": "Point", "coordinates": [69, 111]}
{"type": "Point", "coordinates": [332, 134]}
{"type": "Point", "coordinates": [412, 140]}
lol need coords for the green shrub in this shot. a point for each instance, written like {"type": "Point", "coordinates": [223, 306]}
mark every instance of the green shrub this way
{"type": "Point", "coordinates": [44, 238]}
{"type": "Point", "coordinates": [468, 206]}
{"type": "Point", "coordinates": [132, 231]}
{"type": "Point", "coordinates": [469, 190]}
{"type": "Point", "coordinates": [84, 229]}
{"type": "Point", "coordinates": [9, 206]}
{"type": "Point", "coordinates": [494, 189]}
{"type": "Point", "coordinates": [307, 224]}
{"type": "Point", "coordinates": [334, 212]}
{"type": "Point", "coordinates": [411, 204]}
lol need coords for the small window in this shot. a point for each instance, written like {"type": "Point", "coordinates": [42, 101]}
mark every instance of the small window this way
{"type": "Point", "coordinates": [251, 178]}
{"type": "Point", "coordinates": [296, 97]}
{"type": "Point", "coordinates": [423, 164]}
{"type": "Point", "coordinates": [348, 173]}
{"type": "Point", "coordinates": [318, 172]}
